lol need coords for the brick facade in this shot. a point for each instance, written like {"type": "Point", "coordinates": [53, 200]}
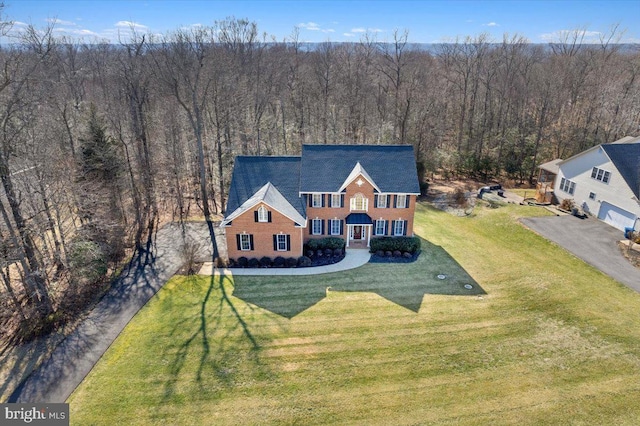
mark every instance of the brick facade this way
{"type": "Point", "coordinates": [263, 233]}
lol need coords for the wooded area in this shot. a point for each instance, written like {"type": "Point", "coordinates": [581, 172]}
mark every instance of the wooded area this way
{"type": "Point", "coordinates": [101, 143]}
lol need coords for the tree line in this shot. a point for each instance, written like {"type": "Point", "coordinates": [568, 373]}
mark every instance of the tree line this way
{"type": "Point", "coordinates": [100, 143]}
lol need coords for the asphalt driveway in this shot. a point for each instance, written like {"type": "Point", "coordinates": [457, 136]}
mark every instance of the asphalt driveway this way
{"type": "Point", "coordinates": [76, 355]}
{"type": "Point", "coordinates": [591, 240]}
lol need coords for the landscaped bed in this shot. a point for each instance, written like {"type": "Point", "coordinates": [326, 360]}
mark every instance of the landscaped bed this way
{"type": "Point", "coordinates": [524, 345]}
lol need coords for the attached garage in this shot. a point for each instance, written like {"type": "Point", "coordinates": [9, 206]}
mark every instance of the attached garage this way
{"type": "Point", "coordinates": [616, 217]}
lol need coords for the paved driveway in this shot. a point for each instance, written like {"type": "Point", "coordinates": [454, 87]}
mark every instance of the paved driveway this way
{"type": "Point", "coordinates": [76, 355]}
{"type": "Point", "coordinates": [591, 240]}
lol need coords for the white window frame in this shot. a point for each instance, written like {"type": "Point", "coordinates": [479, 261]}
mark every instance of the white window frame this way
{"type": "Point", "coordinates": [384, 227]}
{"type": "Point", "coordinates": [395, 228]}
{"type": "Point", "coordinates": [334, 227]}
{"type": "Point", "coordinates": [281, 239]}
{"type": "Point", "coordinates": [263, 214]}
{"type": "Point", "coordinates": [600, 175]}
{"type": "Point", "coordinates": [245, 238]}
{"type": "Point", "coordinates": [313, 226]}
{"type": "Point", "coordinates": [336, 201]}
{"type": "Point", "coordinates": [353, 203]}
{"type": "Point", "coordinates": [316, 200]}
{"type": "Point", "coordinates": [401, 205]}
{"type": "Point", "coordinates": [382, 201]}
{"type": "Point", "coordinates": [567, 186]}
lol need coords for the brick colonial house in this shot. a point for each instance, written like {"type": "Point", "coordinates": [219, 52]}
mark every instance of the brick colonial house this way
{"type": "Point", "coordinates": [354, 192]}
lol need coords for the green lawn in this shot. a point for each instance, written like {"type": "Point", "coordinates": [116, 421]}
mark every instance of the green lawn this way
{"type": "Point", "coordinates": [541, 338]}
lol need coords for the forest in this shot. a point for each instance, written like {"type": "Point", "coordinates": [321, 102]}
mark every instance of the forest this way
{"type": "Point", "coordinates": [103, 143]}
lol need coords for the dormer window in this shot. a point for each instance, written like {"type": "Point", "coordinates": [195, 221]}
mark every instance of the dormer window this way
{"type": "Point", "coordinates": [359, 202]}
{"type": "Point", "coordinates": [263, 214]}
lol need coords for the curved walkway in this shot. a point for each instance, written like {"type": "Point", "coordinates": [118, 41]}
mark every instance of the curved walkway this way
{"type": "Point", "coordinates": [353, 258]}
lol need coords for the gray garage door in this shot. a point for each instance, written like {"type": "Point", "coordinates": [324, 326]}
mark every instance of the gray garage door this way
{"type": "Point", "coordinates": [615, 216]}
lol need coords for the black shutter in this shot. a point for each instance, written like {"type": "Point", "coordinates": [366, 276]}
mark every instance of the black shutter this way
{"type": "Point", "coordinates": [321, 227]}
{"type": "Point", "coordinates": [275, 243]}
{"type": "Point", "coordinates": [288, 242]}
{"type": "Point", "coordinates": [310, 199]}
{"type": "Point", "coordinates": [386, 228]}
{"type": "Point", "coordinates": [238, 241]}
{"type": "Point", "coordinates": [341, 200]}
{"type": "Point", "coordinates": [406, 201]}
{"type": "Point", "coordinates": [395, 201]}
{"type": "Point", "coordinates": [341, 227]}
{"type": "Point", "coordinates": [375, 200]}
{"type": "Point", "coordinates": [322, 197]}
{"type": "Point", "coordinates": [251, 241]}
{"type": "Point", "coordinates": [404, 227]}
{"type": "Point", "coordinates": [310, 226]}
{"type": "Point", "coordinates": [255, 215]}
{"type": "Point", "coordinates": [393, 228]}
{"type": "Point", "coordinates": [330, 200]}
{"type": "Point", "coordinates": [269, 216]}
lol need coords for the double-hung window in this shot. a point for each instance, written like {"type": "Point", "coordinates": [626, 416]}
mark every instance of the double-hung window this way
{"type": "Point", "coordinates": [316, 200]}
{"type": "Point", "coordinates": [601, 175]}
{"type": "Point", "coordinates": [281, 242]}
{"type": "Point", "coordinates": [381, 224]}
{"type": "Point", "coordinates": [401, 201]}
{"type": "Point", "coordinates": [245, 242]}
{"type": "Point", "coordinates": [382, 201]}
{"type": "Point", "coordinates": [335, 226]}
{"type": "Point", "coordinates": [567, 186]}
{"type": "Point", "coordinates": [398, 228]}
{"type": "Point", "coordinates": [316, 227]}
{"type": "Point", "coordinates": [336, 200]}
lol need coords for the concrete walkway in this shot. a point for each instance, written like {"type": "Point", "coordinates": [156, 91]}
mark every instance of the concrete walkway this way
{"type": "Point", "coordinates": [353, 258]}
{"type": "Point", "coordinates": [76, 355]}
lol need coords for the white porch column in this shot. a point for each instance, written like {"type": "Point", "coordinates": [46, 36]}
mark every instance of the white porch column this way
{"type": "Point", "coordinates": [369, 235]}
{"type": "Point", "coordinates": [349, 229]}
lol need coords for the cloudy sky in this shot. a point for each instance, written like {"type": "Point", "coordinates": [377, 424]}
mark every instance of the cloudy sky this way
{"type": "Point", "coordinates": [345, 20]}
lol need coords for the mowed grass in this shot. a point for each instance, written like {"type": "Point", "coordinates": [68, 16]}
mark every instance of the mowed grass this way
{"type": "Point", "coordinates": [542, 338]}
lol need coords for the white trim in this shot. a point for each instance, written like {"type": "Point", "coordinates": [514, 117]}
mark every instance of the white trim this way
{"type": "Point", "coordinates": [358, 170]}
{"type": "Point", "coordinates": [331, 221]}
{"type": "Point", "coordinates": [352, 203]}
{"type": "Point", "coordinates": [278, 242]}
{"type": "Point", "coordinates": [384, 227]}
{"type": "Point", "coordinates": [263, 214]}
{"type": "Point", "coordinates": [313, 231]}
{"type": "Point", "coordinates": [248, 242]}
{"type": "Point", "coordinates": [313, 200]}
{"type": "Point", "coordinates": [395, 228]}
{"type": "Point", "coordinates": [339, 195]}
{"type": "Point", "coordinates": [259, 197]}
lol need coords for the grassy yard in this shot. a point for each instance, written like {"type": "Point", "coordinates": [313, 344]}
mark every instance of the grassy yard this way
{"type": "Point", "coordinates": [541, 338]}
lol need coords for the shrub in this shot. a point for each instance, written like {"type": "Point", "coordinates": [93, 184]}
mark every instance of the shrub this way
{"type": "Point", "coordinates": [409, 244]}
{"type": "Point", "coordinates": [407, 255]}
{"type": "Point", "coordinates": [278, 262]}
{"type": "Point", "coordinates": [326, 243]}
{"type": "Point", "coordinates": [338, 252]}
{"type": "Point", "coordinates": [304, 261]}
{"type": "Point", "coordinates": [291, 262]}
{"type": "Point", "coordinates": [243, 262]}
{"type": "Point", "coordinates": [329, 252]}
{"type": "Point", "coordinates": [310, 253]}
{"type": "Point", "coordinates": [232, 262]}
{"type": "Point", "coordinates": [87, 261]}
{"type": "Point", "coordinates": [397, 253]}
{"type": "Point", "coordinates": [567, 204]}
{"type": "Point", "coordinates": [265, 261]}
{"type": "Point", "coordinates": [388, 253]}
{"type": "Point", "coordinates": [254, 263]}
{"type": "Point", "coordinates": [380, 253]}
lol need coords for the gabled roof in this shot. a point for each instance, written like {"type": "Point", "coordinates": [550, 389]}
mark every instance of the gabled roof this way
{"type": "Point", "coordinates": [626, 158]}
{"type": "Point", "coordinates": [357, 171]}
{"type": "Point", "coordinates": [551, 166]}
{"type": "Point", "coordinates": [324, 168]}
{"type": "Point", "coordinates": [273, 180]}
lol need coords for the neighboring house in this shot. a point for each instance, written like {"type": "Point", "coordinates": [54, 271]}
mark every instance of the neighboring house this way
{"type": "Point", "coordinates": [605, 182]}
{"type": "Point", "coordinates": [547, 181]}
{"type": "Point", "coordinates": [353, 192]}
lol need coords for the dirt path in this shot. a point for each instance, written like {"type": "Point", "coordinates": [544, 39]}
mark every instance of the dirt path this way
{"type": "Point", "coordinates": [76, 355]}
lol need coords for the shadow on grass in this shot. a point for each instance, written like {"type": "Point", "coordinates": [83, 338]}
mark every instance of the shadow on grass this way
{"type": "Point", "coordinates": [212, 334]}
{"type": "Point", "coordinates": [402, 284]}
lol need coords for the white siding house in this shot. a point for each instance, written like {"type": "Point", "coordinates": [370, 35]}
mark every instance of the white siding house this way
{"type": "Point", "coordinates": [604, 181]}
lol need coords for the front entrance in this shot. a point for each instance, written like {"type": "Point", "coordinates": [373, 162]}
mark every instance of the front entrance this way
{"type": "Point", "coordinates": [357, 232]}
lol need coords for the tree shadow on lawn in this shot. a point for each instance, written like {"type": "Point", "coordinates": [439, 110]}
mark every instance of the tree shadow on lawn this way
{"type": "Point", "coordinates": [403, 284]}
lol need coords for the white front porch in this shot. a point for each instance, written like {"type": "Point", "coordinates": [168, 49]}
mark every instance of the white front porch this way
{"type": "Point", "coordinates": [358, 235]}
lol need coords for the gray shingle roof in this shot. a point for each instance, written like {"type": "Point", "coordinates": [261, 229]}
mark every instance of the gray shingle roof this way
{"type": "Point", "coordinates": [324, 168]}
{"type": "Point", "coordinates": [250, 174]}
{"type": "Point", "coordinates": [626, 158]}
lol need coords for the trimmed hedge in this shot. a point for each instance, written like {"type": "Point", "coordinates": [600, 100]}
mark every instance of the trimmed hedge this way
{"type": "Point", "coordinates": [326, 243]}
{"type": "Point", "coordinates": [392, 244]}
